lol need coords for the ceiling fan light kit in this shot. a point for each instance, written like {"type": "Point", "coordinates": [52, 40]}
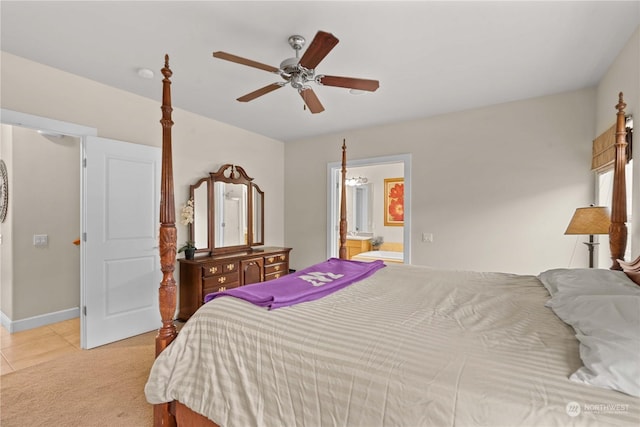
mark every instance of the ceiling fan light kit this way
{"type": "Point", "coordinates": [300, 72]}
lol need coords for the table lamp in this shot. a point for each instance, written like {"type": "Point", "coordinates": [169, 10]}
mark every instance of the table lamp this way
{"type": "Point", "coordinates": [590, 220]}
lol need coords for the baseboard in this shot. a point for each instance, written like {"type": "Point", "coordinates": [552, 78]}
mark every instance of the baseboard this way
{"type": "Point", "coordinates": [37, 321]}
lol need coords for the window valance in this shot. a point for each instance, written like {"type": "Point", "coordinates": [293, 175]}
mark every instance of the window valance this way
{"type": "Point", "coordinates": [604, 148]}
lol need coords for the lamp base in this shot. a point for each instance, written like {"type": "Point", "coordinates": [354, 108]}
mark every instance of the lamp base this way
{"type": "Point", "coordinates": [591, 244]}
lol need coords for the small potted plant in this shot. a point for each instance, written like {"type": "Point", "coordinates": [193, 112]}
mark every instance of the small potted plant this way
{"type": "Point", "coordinates": [376, 242]}
{"type": "Point", "coordinates": [189, 249]}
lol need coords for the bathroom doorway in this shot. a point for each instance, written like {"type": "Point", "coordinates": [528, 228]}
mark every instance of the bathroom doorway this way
{"type": "Point", "coordinates": [365, 203]}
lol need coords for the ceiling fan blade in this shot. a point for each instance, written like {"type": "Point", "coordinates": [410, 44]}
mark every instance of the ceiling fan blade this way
{"type": "Point", "coordinates": [320, 46]}
{"type": "Point", "coordinates": [244, 61]}
{"type": "Point", "coordinates": [311, 100]}
{"type": "Point", "coordinates": [262, 91]}
{"type": "Point", "coordinates": [349, 82]}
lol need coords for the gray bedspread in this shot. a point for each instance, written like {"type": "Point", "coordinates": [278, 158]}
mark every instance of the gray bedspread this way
{"type": "Point", "coordinates": [409, 346]}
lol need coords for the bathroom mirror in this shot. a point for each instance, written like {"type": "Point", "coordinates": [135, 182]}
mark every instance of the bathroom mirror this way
{"type": "Point", "coordinates": [360, 208]}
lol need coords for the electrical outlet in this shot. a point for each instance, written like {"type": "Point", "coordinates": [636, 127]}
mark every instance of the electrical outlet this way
{"type": "Point", "coordinates": [427, 237]}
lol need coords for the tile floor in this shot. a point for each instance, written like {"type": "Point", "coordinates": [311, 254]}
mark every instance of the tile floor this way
{"type": "Point", "coordinates": [27, 348]}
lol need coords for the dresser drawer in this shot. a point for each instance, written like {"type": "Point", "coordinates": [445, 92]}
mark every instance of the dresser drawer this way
{"type": "Point", "coordinates": [273, 276]}
{"type": "Point", "coordinates": [275, 258]}
{"type": "Point", "coordinates": [218, 288]}
{"type": "Point", "coordinates": [219, 268]}
{"type": "Point", "coordinates": [275, 268]}
{"type": "Point", "coordinates": [229, 279]}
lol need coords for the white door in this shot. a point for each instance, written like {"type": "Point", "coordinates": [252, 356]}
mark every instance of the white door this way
{"type": "Point", "coordinates": [120, 262]}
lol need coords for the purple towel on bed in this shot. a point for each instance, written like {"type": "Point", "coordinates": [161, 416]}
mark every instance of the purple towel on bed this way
{"type": "Point", "coordinates": [309, 284]}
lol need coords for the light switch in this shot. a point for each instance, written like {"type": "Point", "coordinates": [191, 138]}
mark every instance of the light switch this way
{"type": "Point", "coordinates": [40, 240]}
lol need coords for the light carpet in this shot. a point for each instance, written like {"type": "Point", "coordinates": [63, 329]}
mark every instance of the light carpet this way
{"type": "Point", "coordinates": [99, 387]}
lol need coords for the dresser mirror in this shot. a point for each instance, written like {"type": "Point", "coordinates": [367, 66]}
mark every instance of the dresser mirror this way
{"type": "Point", "coordinates": [199, 229]}
{"type": "Point", "coordinates": [228, 212]}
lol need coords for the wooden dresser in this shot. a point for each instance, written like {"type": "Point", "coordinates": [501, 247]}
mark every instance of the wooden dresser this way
{"type": "Point", "coordinates": [204, 275]}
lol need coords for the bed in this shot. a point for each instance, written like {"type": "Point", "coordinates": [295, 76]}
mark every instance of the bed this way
{"type": "Point", "coordinates": [406, 346]}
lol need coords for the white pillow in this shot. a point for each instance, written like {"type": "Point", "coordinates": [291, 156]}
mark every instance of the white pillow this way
{"type": "Point", "coordinates": [608, 328]}
{"type": "Point", "coordinates": [585, 281]}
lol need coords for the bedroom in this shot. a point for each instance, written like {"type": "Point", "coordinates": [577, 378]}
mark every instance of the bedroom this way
{"type": "Point", "coordinates": [553, 146]}
{"type": "Point", "coordinates": [563, 121]}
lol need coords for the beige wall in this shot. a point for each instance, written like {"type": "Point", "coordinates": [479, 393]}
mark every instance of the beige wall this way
{"type": "Point", "coordinates": [200, 145]}
{"type": "Point", "coordinates": [496, 186]}
{"type": "Point", "coordinates": [624, 76]}
{"type": "Point", "coordinates": [45, 189]}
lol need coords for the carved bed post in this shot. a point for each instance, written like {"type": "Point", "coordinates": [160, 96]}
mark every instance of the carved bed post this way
{"type": "Point", "coordinates": [168, 241]}
{"type": "Point", "coordinates": [343, 204]}
{"type": "Point", "coordinates": [618, 227]}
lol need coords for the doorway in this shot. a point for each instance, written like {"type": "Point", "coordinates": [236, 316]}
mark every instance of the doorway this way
{"type": "Point", "coordinates": [113, 283]}
{"type": "Point", "coordinates": [38, 247]}
{"type": "Point", "coordinates": [374, 170]}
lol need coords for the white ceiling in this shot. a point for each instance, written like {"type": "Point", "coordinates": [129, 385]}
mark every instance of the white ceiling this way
{"type": "Point", "coordinates": [430, 57]}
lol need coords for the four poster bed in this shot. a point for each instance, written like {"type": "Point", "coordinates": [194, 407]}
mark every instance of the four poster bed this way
{"type": "Point", "coordinates": [406, 346]}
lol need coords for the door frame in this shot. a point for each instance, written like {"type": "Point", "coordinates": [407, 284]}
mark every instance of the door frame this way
{"type": "Point", "coordinates": [333, 205]}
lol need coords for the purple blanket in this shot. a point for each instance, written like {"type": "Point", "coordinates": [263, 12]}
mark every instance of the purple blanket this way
{"type": "Point", "coordinates": [309, 284]}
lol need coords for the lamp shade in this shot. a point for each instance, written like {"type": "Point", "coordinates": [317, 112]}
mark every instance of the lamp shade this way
{"type": "Point", "coordinates": [590, 220]}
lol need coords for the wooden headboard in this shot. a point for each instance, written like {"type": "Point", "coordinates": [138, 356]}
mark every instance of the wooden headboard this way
{"type": "Point", "coordinates": [168, 239]}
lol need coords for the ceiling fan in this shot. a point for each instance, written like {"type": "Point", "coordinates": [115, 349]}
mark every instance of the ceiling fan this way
{"type": "Point", "coordinates": [300, 72]}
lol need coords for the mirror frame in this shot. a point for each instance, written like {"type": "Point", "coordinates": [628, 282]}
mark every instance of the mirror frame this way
{"type": "Point", "coordinates": [252, 195]}
{"type": "Point", "coordinates": [192, 232]}
{"type": "Point", "coordinates": [232, 174]}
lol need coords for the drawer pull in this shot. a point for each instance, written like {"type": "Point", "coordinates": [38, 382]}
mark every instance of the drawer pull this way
{"type": "Point", "coordinates": [270, 259]}
{"type": "Point", "coordinates": [282, 257]}
{"type": "Point", "coordinates": [276, 268]}
{"type": "Point", "coordinates": [213, 270]}
{"type": "Point", "coordinates": [222, 288]}
{"type": "Point", "coordinates": [231, 266]}
{"type": "Point", "coordinates": [222, 279]}
{"type": "Point", "coordinates": [277, 275]}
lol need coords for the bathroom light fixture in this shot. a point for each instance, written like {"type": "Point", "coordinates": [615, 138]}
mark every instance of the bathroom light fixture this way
{"type": "Point", "coordinates": [353, 182]}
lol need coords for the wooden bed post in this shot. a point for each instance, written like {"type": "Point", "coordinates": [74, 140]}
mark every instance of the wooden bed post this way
{"type": "Point", "coordinates": [168, 242]}
{"type": "Point", "coordinates": [618, 227]}
{"type": "Point", "coordinates": [343, 203]}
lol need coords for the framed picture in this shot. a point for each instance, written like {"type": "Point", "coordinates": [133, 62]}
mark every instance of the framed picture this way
{"type": "Point", "coordinates": [394, 202]}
